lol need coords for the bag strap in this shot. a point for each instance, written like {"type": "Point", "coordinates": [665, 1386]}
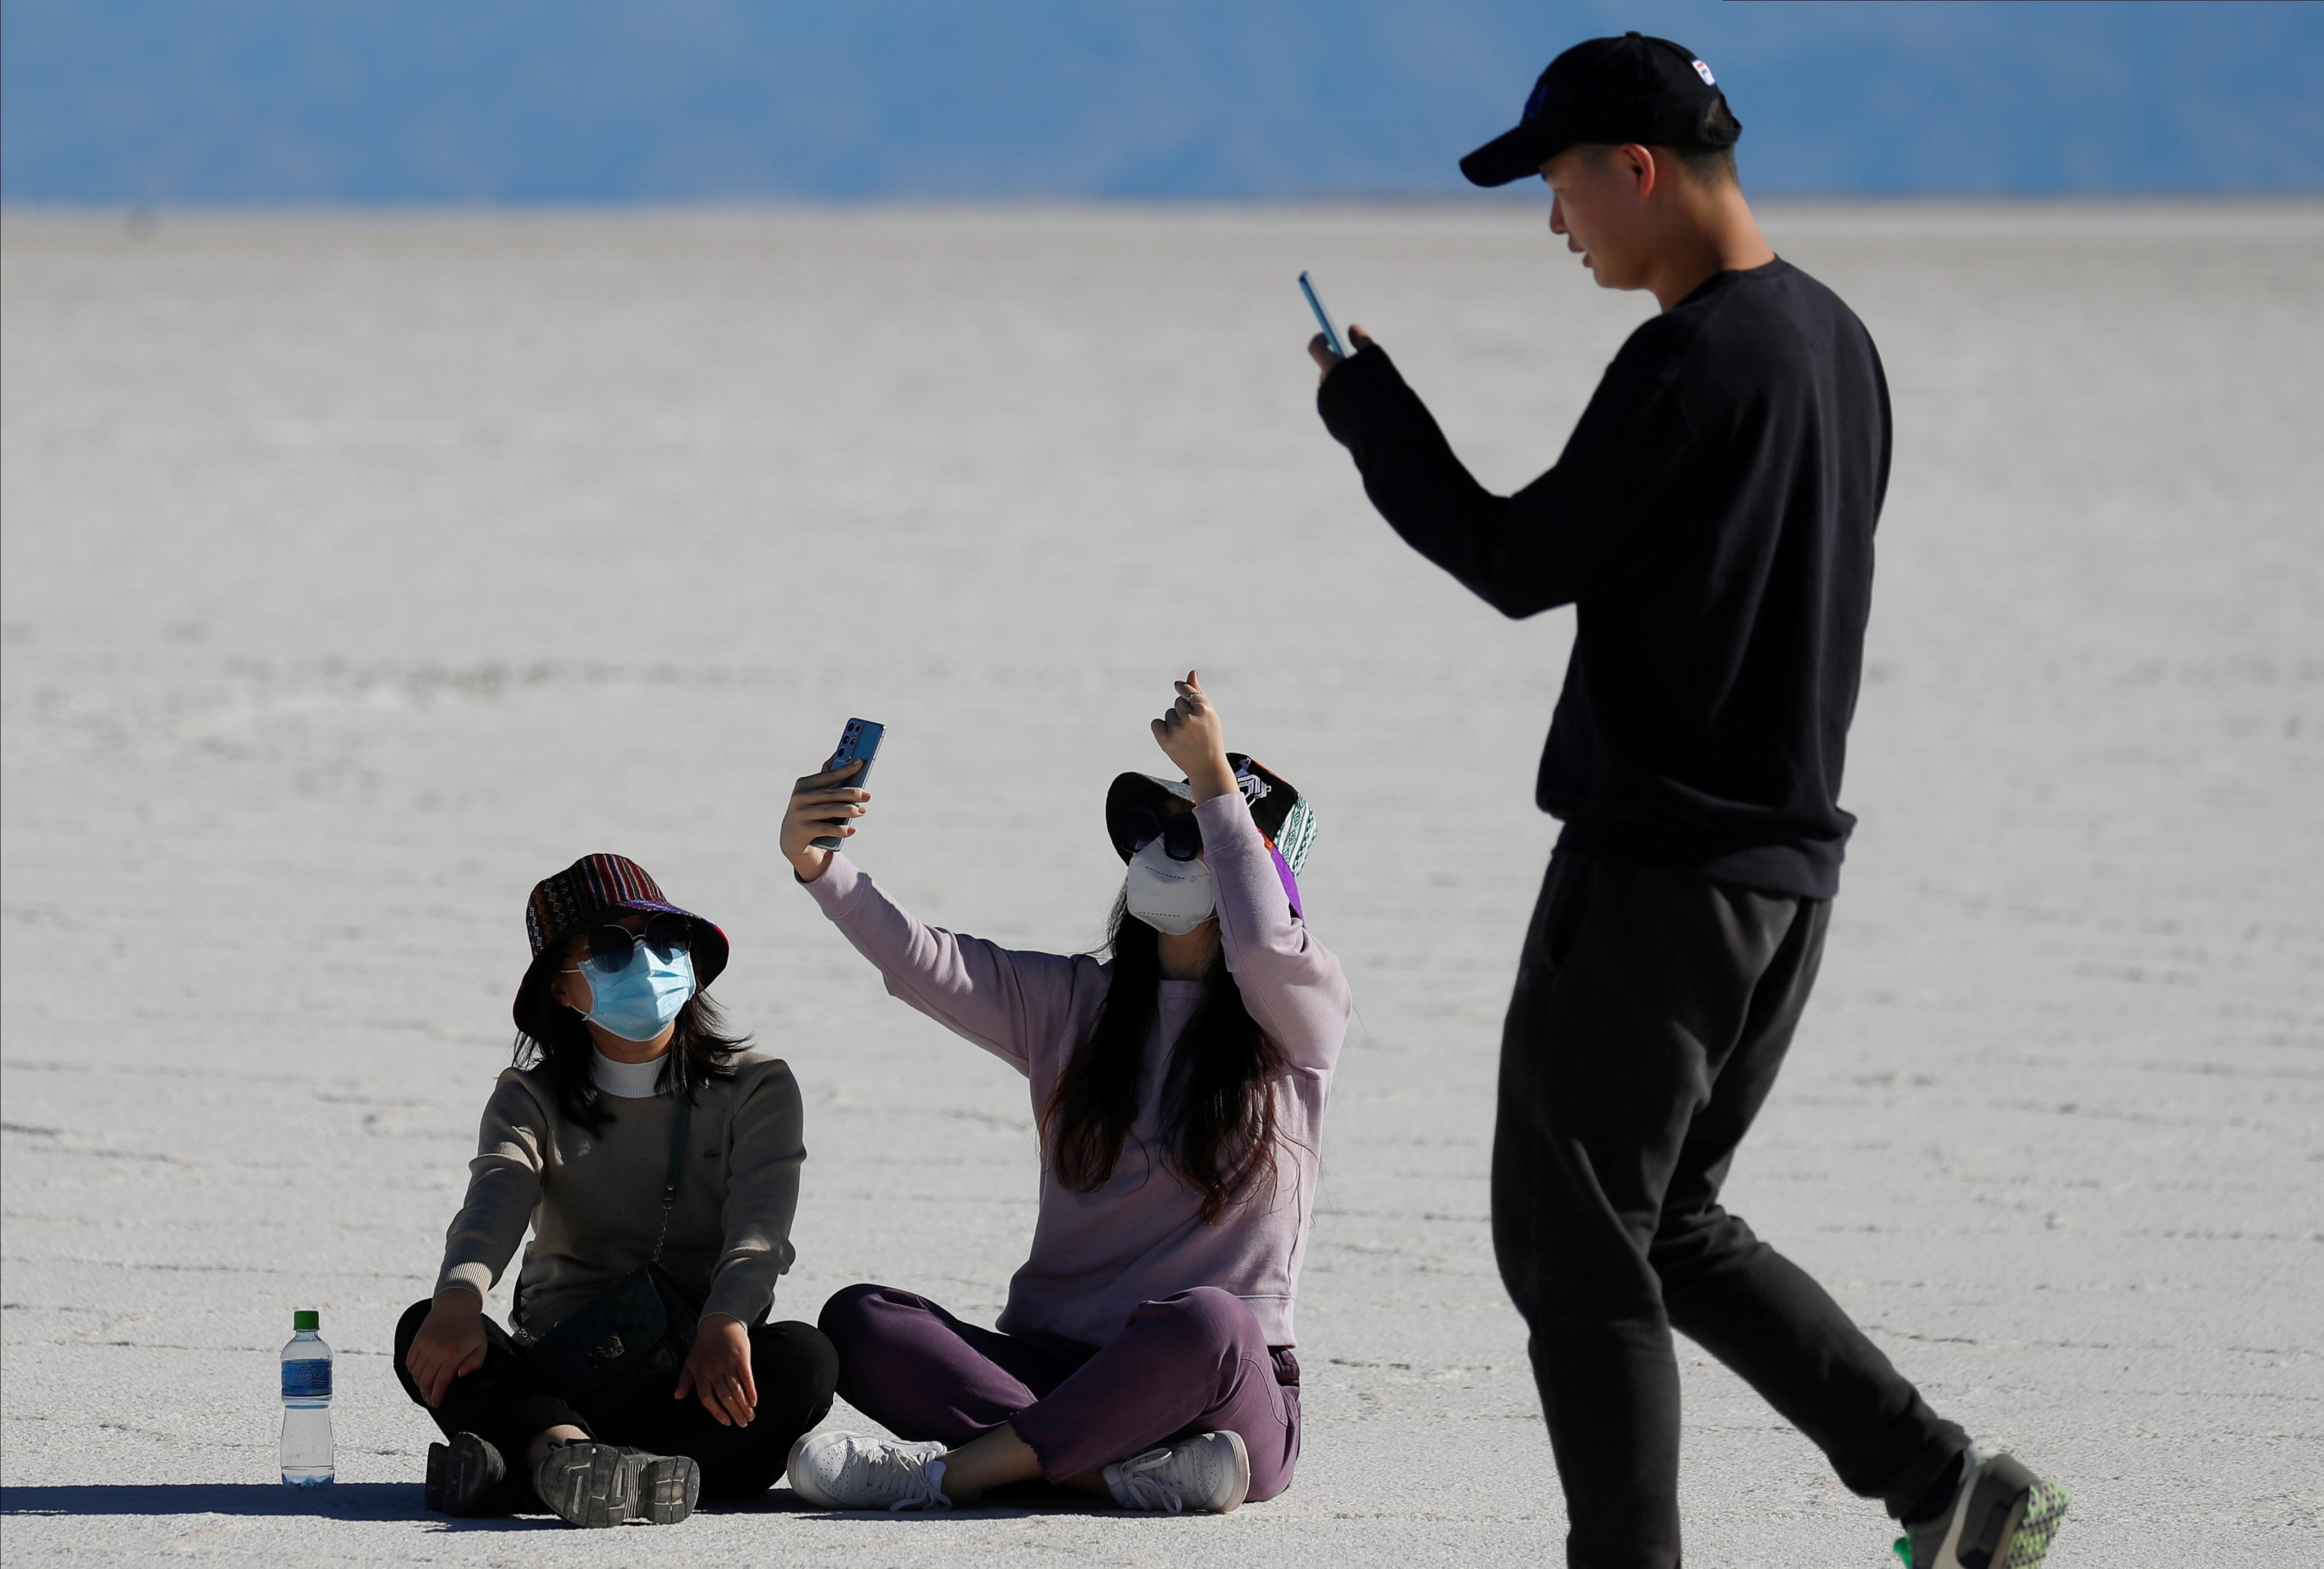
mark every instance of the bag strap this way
{"type": "Point", "coordinates": [676, 1164]}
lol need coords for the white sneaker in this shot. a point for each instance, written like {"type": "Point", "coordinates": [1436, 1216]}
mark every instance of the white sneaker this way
{"type": "Point", "coordinates": [1210, 1473]}
{"type": "Point", "coordinates": [862, 1471]}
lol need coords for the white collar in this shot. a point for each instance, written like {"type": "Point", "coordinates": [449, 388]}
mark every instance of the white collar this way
{"type": "Point", "coordinates": [628, 1081]}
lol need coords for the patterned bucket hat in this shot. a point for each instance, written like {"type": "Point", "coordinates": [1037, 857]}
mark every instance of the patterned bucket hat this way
{"type": "Point", "coordinates": [1286, 821]}
{"type": "Point", "coordinates": [586, 893]}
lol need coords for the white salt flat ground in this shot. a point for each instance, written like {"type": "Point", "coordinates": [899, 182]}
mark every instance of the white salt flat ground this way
{"type": "Point", "coordinates": [361, 570]}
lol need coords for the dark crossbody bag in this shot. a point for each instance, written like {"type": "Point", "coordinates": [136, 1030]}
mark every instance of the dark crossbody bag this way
{"type": "Point", "coordinates": [631, 1338]}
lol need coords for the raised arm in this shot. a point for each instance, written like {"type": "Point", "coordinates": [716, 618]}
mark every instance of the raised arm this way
{"type": "Point", "coordinates": [1291, 983]}
{"type": "Point", "coordinates": [1576, 531]}
{"type": "Point", "coordinates": [1017, 1005]}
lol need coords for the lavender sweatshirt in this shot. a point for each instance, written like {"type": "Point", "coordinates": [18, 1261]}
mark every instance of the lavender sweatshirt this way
{"type": "Point", "coordinates": [1097, 1255]}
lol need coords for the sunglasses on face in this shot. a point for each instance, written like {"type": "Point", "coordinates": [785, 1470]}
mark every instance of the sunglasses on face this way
{"type": "Point", "coordinates": [1181, 834]}
{"type": "Point", "coordinates": [613, 949]}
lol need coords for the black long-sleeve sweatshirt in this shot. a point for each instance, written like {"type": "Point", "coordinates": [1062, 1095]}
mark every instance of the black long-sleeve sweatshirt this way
{"type": "Point", "coordinates": [1711, 519]}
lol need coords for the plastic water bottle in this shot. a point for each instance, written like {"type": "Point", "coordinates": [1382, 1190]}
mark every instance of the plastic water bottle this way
{"type": "Point", "coordinates": [306, 1453]}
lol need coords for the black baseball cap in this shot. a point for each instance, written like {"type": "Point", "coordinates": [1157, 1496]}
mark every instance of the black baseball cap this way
{"type": "Point", "coordinates": [1631, 89]}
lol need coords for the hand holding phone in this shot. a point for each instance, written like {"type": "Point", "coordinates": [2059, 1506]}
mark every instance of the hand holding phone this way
{"type": "Point", "coordinates": [858, 743]}
{"type": "Point", "coordinates": [1331, 338]}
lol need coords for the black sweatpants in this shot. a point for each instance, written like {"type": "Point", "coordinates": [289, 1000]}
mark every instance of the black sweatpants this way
{"type": "Point", "coordinates": [506, 1404]}
{"type": "Point", "coordinates": [1651, 1013]}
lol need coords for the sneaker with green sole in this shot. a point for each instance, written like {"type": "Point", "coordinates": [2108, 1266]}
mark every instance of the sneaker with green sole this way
{"type": "Point", "coordinates": [2002, 1517]}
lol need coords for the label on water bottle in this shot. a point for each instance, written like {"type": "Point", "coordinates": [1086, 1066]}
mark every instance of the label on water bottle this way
{"type": "Point", "coordinates": [307, 1380]}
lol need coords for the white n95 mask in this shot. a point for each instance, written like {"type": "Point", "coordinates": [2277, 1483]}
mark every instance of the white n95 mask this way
{"type": "Point", "coordinates": [1171, 895]}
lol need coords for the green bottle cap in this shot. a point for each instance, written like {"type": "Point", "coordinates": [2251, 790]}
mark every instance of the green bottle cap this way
{"type": "Point", "coordinates": [306, 1319]}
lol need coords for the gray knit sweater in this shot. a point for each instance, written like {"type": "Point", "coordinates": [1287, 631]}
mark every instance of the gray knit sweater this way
{"type": "Point", "coordinates": [594, 1200]}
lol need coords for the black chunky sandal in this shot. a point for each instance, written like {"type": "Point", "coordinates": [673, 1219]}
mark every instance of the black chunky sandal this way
{"type": "Point", "coordinates": [593, 1485]}
{"type": "Point", "coordinates": [465, 1477]}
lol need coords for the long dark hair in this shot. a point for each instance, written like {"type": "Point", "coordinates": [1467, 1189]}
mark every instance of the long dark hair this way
{"type": "Point", "coordinates": [553, 1037]}
{"type": "Point", "coordinates": [1218, 1104]}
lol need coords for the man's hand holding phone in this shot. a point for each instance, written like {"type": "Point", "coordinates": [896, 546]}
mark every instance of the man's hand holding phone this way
{"type": "Point", "coordinates": [1327, 348]}
{"type": "Point", "coordinates": [1319, 348]}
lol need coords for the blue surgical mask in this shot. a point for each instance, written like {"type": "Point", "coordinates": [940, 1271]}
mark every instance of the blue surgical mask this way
{"type": "Point", "coordinates": [638, 1000]}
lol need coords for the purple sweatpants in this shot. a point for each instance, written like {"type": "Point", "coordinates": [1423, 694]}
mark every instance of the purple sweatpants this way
{"type": "Point", "coordinates": [1194, 1362]}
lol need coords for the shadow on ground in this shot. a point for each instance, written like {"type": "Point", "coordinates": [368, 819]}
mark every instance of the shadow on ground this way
{"type": "Point", "coordinates": [347, 1500]}
{"type": "Point", "coordinates": [402, 1500]}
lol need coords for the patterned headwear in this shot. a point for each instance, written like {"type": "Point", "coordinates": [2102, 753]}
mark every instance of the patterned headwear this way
{"type": "Point", "coordinates": [592, 890]}
{"type": "Point", "coordinates": [1286, 821]}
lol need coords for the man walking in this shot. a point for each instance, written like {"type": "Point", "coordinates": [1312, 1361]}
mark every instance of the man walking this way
{"type": "Point", "coordinates": [1712, 519]}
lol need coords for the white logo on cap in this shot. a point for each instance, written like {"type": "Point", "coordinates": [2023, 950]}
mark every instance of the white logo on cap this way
{"type": "Point", "coordinates": [1703, 72]}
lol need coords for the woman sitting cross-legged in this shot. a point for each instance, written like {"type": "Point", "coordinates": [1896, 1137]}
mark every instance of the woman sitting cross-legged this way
{"type": "Point", "coordinates": [657, 1162]}
{"type": "Point", "coordinates": [1179, 1090]}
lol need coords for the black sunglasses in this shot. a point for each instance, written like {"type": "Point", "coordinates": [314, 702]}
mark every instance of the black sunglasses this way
{"type": "Point", "coordinates": [1181, 834]}
{"type": "Point", "coordinates": [613, 948]}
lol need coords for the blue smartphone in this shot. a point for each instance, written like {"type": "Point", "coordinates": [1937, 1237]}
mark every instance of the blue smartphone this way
{"type": "Point", "coordinates": [860, 740]}
{"type": "Point", "coordinates": [1338, 345]}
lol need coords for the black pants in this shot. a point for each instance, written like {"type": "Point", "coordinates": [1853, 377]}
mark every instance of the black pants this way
{"type": "Point", "coordinates": [505, 1403]}
{"type": "Point", "coordinates": [1651, 1013]}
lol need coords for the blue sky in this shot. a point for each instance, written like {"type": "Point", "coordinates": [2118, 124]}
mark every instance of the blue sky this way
{"type": "Point", "coordinates": [117, 102]}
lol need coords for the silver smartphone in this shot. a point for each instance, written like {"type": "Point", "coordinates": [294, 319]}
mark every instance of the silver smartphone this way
{"type": "Point", "coordinates": [859, 740]}
{"type": "Point", "coordinates": [1338, 345]}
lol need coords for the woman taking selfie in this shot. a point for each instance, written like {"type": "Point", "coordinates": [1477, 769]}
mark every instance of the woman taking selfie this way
{"type": "Point", "coordinates": [657, 1162]}
{"type": "Point", "coordinates": [1178, 1088]}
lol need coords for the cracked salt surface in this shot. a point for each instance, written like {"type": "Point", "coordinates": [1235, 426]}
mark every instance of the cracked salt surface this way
{"type": "Point", "coordinates": [361, 569]}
